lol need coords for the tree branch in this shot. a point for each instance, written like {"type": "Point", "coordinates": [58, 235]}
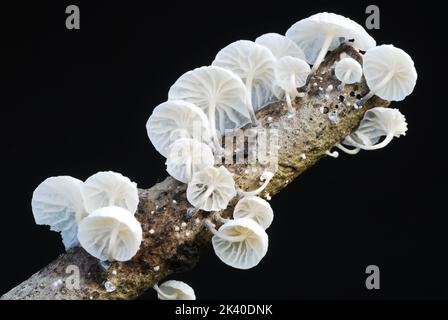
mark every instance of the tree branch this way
{"type": "Point", "coordinates": [164, 206]}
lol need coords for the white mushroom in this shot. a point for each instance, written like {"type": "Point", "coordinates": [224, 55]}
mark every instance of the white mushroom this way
{"type": "Point", "coordinates": [177, 119]}
{"type": "Point", "coordinates": [321, 32]}
{"type": "Point", "coordinates": [186, 157]}
{"type": "Point", "coordinates": [58, 202]}
{"type": "Point", "coordinates": [174, 290]}
{"type": "Point", "coordinates": [290, 74]}
{"type": "Point", "coordinates": [348, 71]}
{"type": "Point", "coordinates": [266, 177]}
{"type": "Point", "coordinates": [107, 188]}
{"type": "Point", "coordinates": [239, 243]}
{"type": "Point", "coordinates": [254, 64]}
{"type": "Point", "coordinates": [377, 122]}
{"type": "Point", "coordinates": [211, 189]}
{"type": "Point", "coordinates": [254, 208]}
{"type": "Point", "coordinates": [389, 72]}
{"type": "Point", "coordinates": [110, 233]}
{"type": "Point", "coordinates": [219, 93]}
{"type": "Point", "coordinates": [280, 46]}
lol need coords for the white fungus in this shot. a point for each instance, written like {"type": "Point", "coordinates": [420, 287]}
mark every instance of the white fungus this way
{"type": "Point", "coordinates": [348, 71]}
{"type": "Point", "coordinates": [239, 243]}
{"type": "Point", "coordinates": [174, 290]}
{"type": "Point", "coordinates": [219, 93]}
{"type": "Point", "coordinates": [254, 208]}
{"type": "Point", "coordinates": [109, 188]}
{"type": "Point", "coordinates": [110, 233]}
{"type": "Point", "coordinates": [254, 64]}
{"type": "Point", "coordinates": [280, 46]}
{"type": "Point", "coordinates": [211, 189]}
{"type": "Point", "coordinates": [265, 178]}
{"type": "Point", "coordinates": [321, 32]}
{"type": "Point", "coordinates": [58, 202]}
{"type": "Point", "coordinates": [176, 119]}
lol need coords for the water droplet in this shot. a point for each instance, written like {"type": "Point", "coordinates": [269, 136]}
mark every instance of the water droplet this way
{"type": "Point", "coordinates": [152, 212]}
{"type": "Point", "coordinates": [151, 231]}
{"type": "Point", "coordinates": [114, 272]}
{"type": "Point", "coordinates": [109, 286]}
{"type": "Point", "coordinates": [156, 268]}
{"type": "Point", "coordinates": [303, 156]}
{"type": "Point", "coordinates": [105, 264]}
{"type": "Point", "coordinates": [57, 283]}
{"type": "Point", "coordinates": [174, 201]}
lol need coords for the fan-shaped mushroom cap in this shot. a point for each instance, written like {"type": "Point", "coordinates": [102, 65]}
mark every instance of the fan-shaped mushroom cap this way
{"type": "Point", "coordinates": [377, 122]}
{"type": "Point", "coordinates": [389, 72]}
{"type": "Point", "coordinates": [110, 233]}
{"type": "Point", "coordinates": [176, 119]}
{"type": "Point", "coordinates": [186, 157]}
{"type": "Point", "coordinates": [254, 208]}
{"type": "Point", "coordinates": [211, 189]}
{"type": "Point", "coordinates": [321, 32]}
{"type": "Point", "coordinates": [175, 290]}
{"type": "Point", "coordinates": [348, 70]}
{"type": "Point", "coordinates": [58, 202]}
{"type": "Point", "coordinates": [240, 243]}
{"type": "Point", "coordinates": [109, 188]}
{"type": "Point", "coordinates": [291, 73]}
{"type": "Point", "coordinates": [254, 64]}
{"type": "Point", "coordinates": [280, 46]}
{"type": "Point", "coordinates": [218, 92]}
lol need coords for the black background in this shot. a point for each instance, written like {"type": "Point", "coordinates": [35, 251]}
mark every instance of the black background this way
{"type": "Point", "coordinates": [76, 102]}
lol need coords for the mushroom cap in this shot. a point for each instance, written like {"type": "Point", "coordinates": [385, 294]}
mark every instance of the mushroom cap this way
{"type": "Point", "coordinates": [175, 119]}
{"type": "Point", "coordinates": [254, 208]}
{"type": "Point", "coordinates": [348, 70]}
{"type": "Point", "coordinates": [211, 189]}
{"type": "Point", "coordinates": [250, 60]}
{"type": "Point", "coordinates": [214, 85]}
{"type": "Point", "coordinates": [186, 157]}
{"type": "Point", "coordinates": [378, 122]}
{"type": "Point", "coordinates": [175, 290]}
{"type": "Point", "coordinates": [109, 188]}
{"type": "Point", "coordinates": [58, 202]}
{"type": "Point", "coordinates": [286, 67]}
{"type": "Point", "coordinates": [309, 34]}
{"type": "Point", "coordinates": [280, 46]}
{"type": "Point", "coordinates": [110, 233]}
{"type": "Point", "coordinates": [241, 254]}
{"type": "Point", "coordinates": [378, 62]}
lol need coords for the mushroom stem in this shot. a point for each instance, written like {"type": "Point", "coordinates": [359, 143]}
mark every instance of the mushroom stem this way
{"type": "Point", "coordinates": [266, 177]}
{"type": "Point", "coordinates": [216, 233]}
{"type": "Point", "coordinates": [113, 239]}
{"type": "Point", "coordinates": [377, 146]}
{"type": "Point", "coordinates": [323, 51]}
{"type": "Point", "coordinates": [348, 151]}
{"type": "Point", "coordinates": [212, 120]}
{"type": "Point", "coordinates": [344, 81]}
{"type": "Point", "coordinates": [289, 103]}
{"type": "Point", "coordinates": [333, 154]}
{"type": "Point", "coordinates": [218, 218]}
{"type": "Point", "coordinates": [250, 107]}
{"type": "Point", "coordinates": [163, 294]}
{"type": "Point", "coordinates": [373, 91]}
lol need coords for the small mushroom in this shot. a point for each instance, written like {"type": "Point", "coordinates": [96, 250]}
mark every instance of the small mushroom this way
{"type": "Point", "coordinates": [254, 208]}
{"type": "Point", "coordinates": [377, 122]}
{"type": "Point", "coordinates": [108, 188]}
{"type": "Point", "coordinates": [174, 290]}
{"type": "Point", "coordinates": [323, 31]}
{"type": "Point", "coordinates": [254, 64]}
{"type": "Point", "coordinates": [211, 189]}
{"type": "Point", "coordinates": [110, 233]}
{"type": "Point", "coordinates": [290, 74]}
{"type": "Point", "coordinates": [239, 243]}
{"type": "Point", "coordinates": [186, 157]}
{"type": "Point", "coordinates": [280, 46]}
{"type": "Point", "coordinates": [348, 71]}
{"type": "Point", "coordinates": [58, 202]}
{"type": "Point", "coordinates": [219, 93]}
{"type": "Point", "coordinates": [389, 72]}
{"type": "Point", "coordinates": [266, 177]}
{"type": "Point", "coordinates": [176, 119]}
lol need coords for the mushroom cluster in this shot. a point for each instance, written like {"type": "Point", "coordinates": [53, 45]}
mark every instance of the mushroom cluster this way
{"type": "Point", "coordinates": [97, 214]}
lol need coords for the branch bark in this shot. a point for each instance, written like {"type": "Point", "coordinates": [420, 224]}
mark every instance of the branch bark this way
{"type": "Point", "coordinates": [164, 206]}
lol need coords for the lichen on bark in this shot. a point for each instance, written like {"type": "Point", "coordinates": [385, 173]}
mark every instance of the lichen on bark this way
{"type": "Point", "coordinates": [173, 236]}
